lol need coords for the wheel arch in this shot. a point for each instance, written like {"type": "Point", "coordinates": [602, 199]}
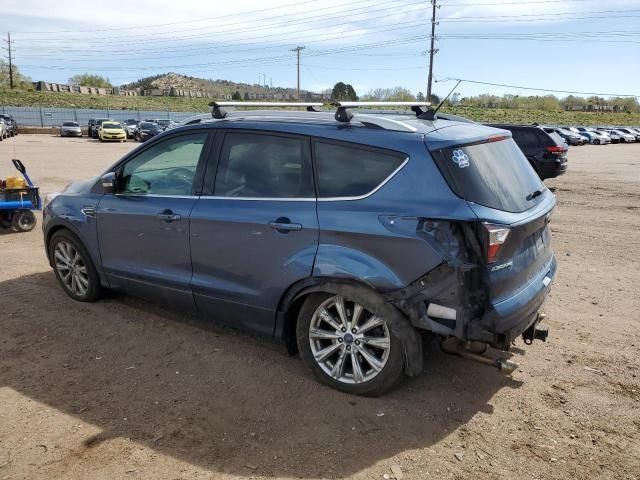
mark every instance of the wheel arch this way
{"type": "Point", "coordinates": [68, 226]}
{"type": "Point", "coordinates": [295, 296]}
{"type": "Point", "coordinates": [56, 228]}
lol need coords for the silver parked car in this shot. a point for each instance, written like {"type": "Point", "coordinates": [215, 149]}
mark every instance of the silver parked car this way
{"type": "Point", "coordinates": [70, 129]}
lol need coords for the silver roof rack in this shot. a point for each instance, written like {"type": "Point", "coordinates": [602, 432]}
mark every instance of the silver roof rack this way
{"type": "Point", "coordinates": [344, 114]}
{"type": "Point", "coordinates": [220, 109]}
{"type": "Point", "coordinates": [382, 104]}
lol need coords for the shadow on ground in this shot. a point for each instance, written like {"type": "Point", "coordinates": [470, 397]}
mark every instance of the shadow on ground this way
{"type": "Point", "coordinates": [213, 397]}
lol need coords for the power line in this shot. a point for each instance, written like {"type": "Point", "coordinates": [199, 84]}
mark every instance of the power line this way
{"type": "Point", "coordinates": [279, 7]}
{"type": "Point", "coordinates": [533, 20]}
{"type": "Point", "coordinates": [259, 60]}
{"type": "Point", "coordinates": [510, 3]}
{"type": "Point", "coordinates": [554, 14]}
{"type": "Point", "coordinates": [449, 79]}
{"type": "Point", "coordinates": [341, 34]}
{"type": "Point", "coordinates": [218, 29]}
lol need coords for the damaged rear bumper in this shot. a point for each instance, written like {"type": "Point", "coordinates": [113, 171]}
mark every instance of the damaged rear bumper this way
{"type": "Point", "coordinates": [497, 324]}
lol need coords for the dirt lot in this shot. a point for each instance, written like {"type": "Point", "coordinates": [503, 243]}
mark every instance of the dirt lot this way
{"type": "Point", "coordinates": [126, 389]}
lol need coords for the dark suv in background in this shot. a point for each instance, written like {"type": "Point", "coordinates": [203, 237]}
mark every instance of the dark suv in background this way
{"type": "Point", "coordinates": [546, 152]}
{"type": "Point", "coordinates": [347, 237]}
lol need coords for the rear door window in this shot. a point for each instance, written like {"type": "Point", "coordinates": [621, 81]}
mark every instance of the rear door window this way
{"type": "Point", "coordinates": [264, 166]}
{"type": "Point", "coordinates": [352, 171]}
{"type": "Point", "coordinates": [495, 174]}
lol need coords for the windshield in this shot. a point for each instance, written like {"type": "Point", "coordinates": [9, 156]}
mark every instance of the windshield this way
{"type": "Point", "coordinates": [132, 122]}
{"type": "Point", "coordinates": [69, 124]}
{"type": "Point", "coordinates": [164, 123]}
{"type": "Point", "coordinates": [147, 125]}
{"type": "Point", "coordinates": [108, 125]}
{"type": "Point", "coordinates": [495, 174]}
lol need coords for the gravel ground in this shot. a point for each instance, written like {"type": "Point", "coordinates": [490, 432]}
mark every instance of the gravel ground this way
{"type": "Point", "coordinates": [126, 389]}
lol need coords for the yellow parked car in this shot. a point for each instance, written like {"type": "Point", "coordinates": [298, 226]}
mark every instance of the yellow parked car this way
{"type": "Point", "coordinates": [112, 131]}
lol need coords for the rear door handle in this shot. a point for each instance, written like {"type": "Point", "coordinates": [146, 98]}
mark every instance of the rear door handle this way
{"type": "Point", "coordinates": [168, 216]}
{"type": "Point", "coordinates": [284, 225]}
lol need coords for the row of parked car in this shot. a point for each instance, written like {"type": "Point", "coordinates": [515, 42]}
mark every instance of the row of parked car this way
{"type": "Point", "coordinates": [107, 129]}
{"type": "Point", "coordinates": [596, 135]}
{"type": "Point", "coordinates": [546, 146]}
{"type": "Point", "coordinates": [8, 127]}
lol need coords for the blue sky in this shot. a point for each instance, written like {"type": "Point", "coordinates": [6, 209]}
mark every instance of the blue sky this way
{"type": "Point", "coordinates": [551, 44]}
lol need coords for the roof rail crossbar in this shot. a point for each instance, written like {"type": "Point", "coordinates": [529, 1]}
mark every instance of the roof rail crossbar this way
{"type": "Point", "coordinates": [343, 113]}
{"type": "Point", "coordinates": [222, 109]}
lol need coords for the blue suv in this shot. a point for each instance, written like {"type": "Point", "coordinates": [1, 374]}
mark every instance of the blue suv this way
{"type": "Point", "coordinates": [347, 236]}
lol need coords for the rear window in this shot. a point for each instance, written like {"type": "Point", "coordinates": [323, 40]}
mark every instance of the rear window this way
{"type": "Point", "coordinates": [526, 138]}
{"type": "Point", "coordinates": [351, 171]}
{"type": "Point", "coordinates": [496, 175]}
{"type": "Point", "coordinates": [556, 138]}
{"type": "Point", "coordinates": [69, 124]}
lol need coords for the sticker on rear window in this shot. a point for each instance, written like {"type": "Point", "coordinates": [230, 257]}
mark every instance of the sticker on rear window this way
{"type": "Point", "coordinates": [460, 158]}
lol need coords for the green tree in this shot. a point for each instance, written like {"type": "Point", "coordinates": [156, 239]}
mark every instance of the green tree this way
{"type": "Point", "coordinates": [19, 81]}
{"type": "Point", "coordinates": [90, 80]}
{"type": "Point", "coordinates": [351, 93]}
{"type": "Point", "coordinates": [339, 91]}
{"type": "Point", "coordinates": [343, 91]}
{"type": "Point", "coordinates": [236, 96]}
{"type": "Point", "coordinates": [420, 97]}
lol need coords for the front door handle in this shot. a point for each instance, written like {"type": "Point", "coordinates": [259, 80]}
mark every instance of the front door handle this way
{"type": "Point", "coordinates": [168, 216]}
{"type": "Point", "coordinates": [284, 225]}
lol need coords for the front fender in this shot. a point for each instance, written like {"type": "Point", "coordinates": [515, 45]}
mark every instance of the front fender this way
{"type": "Point", "coordinates": [67, 212]}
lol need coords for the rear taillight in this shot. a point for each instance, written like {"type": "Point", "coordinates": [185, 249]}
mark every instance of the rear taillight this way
{"type": "Point", "coordinates": [556, 149]}
{"type": "Point", "coordinates": [497, 236]}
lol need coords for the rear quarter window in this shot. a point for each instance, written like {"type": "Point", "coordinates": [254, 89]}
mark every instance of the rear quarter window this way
{"type": "Point", "coordinates": [495, 174]}
{"type": "Point", "coordinates": [352, 171]}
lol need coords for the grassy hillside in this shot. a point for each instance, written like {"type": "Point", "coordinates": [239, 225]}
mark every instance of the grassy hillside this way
{"type": "Point", "coordinates": [178, 104]}
{"type": "Point", "coordinates": [32, 98]}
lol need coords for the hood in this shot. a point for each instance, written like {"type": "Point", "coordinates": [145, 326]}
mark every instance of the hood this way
{"type": "Point", "coordinates": [81, 186]}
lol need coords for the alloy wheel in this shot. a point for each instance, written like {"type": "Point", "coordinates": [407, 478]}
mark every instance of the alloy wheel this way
{"type": "Point", "coordinates": [349, 343]}
{"type": "Point", "coordinates": [72, 268]}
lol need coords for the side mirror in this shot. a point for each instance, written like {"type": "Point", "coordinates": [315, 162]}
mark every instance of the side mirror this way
{"type": "Point", "coordinates": [109, 182]}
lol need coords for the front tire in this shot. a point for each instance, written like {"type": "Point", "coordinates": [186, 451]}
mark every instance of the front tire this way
{"type": "Point", "coordinates": [73, 267]}
{"type": "Point", "coordinates": [347, 346]}
{"type": "Point", "coordinates": [596, 142]}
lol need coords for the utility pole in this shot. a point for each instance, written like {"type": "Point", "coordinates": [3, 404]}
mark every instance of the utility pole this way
{"type": "Point", "coordinates": [8, 42]}
{"type": "Point", "coordinates": [432, 51]}
{"type": "Point", "coordinates": [298, 50]}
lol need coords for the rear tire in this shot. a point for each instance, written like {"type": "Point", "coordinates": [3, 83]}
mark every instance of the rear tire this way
{"type": "Point", "coordinates": [73, 267]}
{"type": "Point", "coordinates": [24, 221]}
{"type": "Point", "coordinates": [596, 142]}
{"type": "Point", "coordinates": [362, 353]}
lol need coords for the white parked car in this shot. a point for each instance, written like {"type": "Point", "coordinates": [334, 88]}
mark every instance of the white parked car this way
{"type": "Point", "coordinates": [625, 137]}
{"type": "Point", "coordinates": [4, 131]}
{"type": "Point", "coordinates": [595, 138]}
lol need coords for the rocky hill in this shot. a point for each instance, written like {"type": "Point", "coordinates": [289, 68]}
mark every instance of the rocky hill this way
{"type": "Point", "coordinates": [213, 87]}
